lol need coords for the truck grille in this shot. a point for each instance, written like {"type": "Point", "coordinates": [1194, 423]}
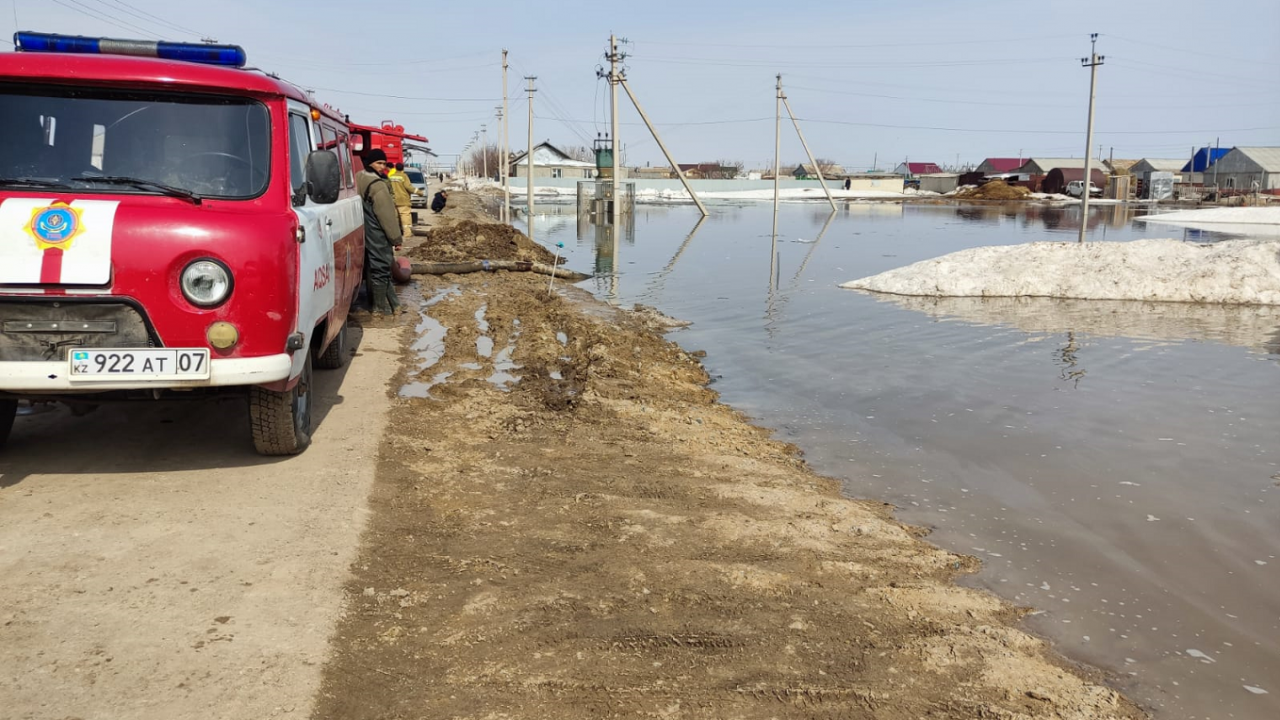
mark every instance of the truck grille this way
{"type": "Point", "coordinates": [46, 330]}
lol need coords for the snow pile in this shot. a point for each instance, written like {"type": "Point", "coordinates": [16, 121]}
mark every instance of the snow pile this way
{"type": "Point", "coordinates": [1233, 272]}
{"type": "Point", "coordinates": [1233, 215]}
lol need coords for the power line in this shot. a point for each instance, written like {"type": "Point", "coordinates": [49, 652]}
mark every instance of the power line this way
{"type": "Point", "coordinates": [1185, 51]}
{"type": "Point", "coordinates": [682, 124]}
{"type": "Point", "coordinates": [888, 65]}
{"type": "Point", "coordinates": [159, 19]}
{"type": "Point", "coordinates": [1038, 132]}
{"type": "Point", "coordinates": [145, 17]}
{"type": "Point", "coordinates": [1036, 106]}
{"type": "Point", "coordinates": [1183, 73]}
{"type": "Point", "coordinates": [812, 46]}
{"type": "Point", "coordinates": [929, 100]}
{"type": "Point", "coordinates": [401, 97]}
{"type": "Point", "coordinates": [97, 15]}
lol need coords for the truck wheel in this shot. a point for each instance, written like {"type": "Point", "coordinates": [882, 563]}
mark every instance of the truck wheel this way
{"type": "Point", "coordinates": [8, 410]}
{"type": "Point", "coordinates": [281, 421]}
{"type": "Point", "coordinates": [336, 355]}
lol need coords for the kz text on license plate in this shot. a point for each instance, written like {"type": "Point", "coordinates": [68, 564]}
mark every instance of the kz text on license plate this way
{"type": "Point", "coordinates": [107, 364]}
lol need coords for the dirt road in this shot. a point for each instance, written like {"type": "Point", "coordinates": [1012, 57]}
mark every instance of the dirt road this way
{"type": "Point", "coordinates": [154, 567]}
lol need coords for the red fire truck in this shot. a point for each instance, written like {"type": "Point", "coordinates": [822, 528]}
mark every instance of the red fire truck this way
{"type": "Point", "coordinates": [171, 224]}
{"type": "Point", "coordinates": [388, 137]}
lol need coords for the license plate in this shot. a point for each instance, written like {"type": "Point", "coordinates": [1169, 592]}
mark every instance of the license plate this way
{"type": "Point", "coordinates": [160, 364]}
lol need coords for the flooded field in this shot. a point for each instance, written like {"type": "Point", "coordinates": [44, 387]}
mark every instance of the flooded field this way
{"type": "Point", "coordinates": [1114, 465]}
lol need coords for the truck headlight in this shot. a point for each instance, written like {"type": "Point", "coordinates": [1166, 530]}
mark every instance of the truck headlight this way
{"type": "Point", "coordinates": [206, 283]}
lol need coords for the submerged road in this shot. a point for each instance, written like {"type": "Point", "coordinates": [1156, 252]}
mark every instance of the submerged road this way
{"type": "Point", "coordinates": [155, 567]}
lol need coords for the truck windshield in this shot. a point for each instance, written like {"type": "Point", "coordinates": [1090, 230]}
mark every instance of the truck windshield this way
{"type": "Point", "coordinates": [63, 138]}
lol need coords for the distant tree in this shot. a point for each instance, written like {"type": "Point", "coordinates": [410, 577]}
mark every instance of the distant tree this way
{"type": "Point", "coordinates": [488, 155]}
{"type": "Point", "coordinates": [730, 168]}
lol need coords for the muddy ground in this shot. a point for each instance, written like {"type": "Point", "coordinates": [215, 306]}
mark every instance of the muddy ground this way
{"type": "Point", "coordinates": [599, 538]}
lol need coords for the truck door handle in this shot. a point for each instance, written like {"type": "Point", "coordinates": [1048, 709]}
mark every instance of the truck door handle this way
{"type": "Point", "coordinates": [328, 222]}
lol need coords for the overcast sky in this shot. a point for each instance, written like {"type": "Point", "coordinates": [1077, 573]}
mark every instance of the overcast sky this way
{"type": "Point", "coordinates": [929, 80]}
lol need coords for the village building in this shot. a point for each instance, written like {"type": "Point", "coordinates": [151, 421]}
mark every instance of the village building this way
{"type": "Point", "coordinates": [708, 171]}
{"type": "Point", "coordinates": [998, 166]}
{"type": "Point", "coordinates": [1144, 167]}
{"type": "Point", "coordinates": [878, 181]}
{"type": "Point", "coordinates": [551, 162]}
{"type": "Point", "coordinates": [1247, 169]}
{"type": "Point", "coordinates": [805, 171]}
{"type": "Point", "coordinates": [1203, 159]}
{"type": "Point", "coordinates": [940, 183]}
{"type": "Point", "coordinates": [1042, 166]}
{"type": "Point", "coordinates": [911, 169]}
{"type": "Point", "coordinates": [661, 172]}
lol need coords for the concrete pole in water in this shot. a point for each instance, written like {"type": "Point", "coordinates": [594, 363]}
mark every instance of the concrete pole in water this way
{"type": "Point", "coordinates": [816, 168]}
{"type": "Point", "coordinates": [670, 159]}
{"type": "Point", "coordinates": [615, 211]}
{"type": "Point", "coordinates": [1092, 62]}
{"type": "Point", "coordinates": [777, 149]}
{"type": "Point", "coordinates": [528, 181]}
{"type": "Point", "coordinates": [506, 145]}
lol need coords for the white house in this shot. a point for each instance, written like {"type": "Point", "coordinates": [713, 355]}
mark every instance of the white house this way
{"type": "Point", "coordinates": [551, 162]}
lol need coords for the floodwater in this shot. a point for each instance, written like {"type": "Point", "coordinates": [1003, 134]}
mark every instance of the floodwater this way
{"type": "Point", "coordinates": [1114, 465]}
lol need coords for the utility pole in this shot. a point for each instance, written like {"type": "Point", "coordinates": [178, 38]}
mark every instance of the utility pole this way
{"type": "Point", "coordinates": [777, 151]}
{"type": "Point", "coordinates": [528, 181]}
{"type": "Point", "coordinates": [821, 180]}
{"type": "Point", "coordinates": [1217, 144]}
{"type": "Point", "coordinates": [1092, 62]}
{"type": "Point", "coordinates": [506, 145]}
{"type": "Point", "coordinates": [615, 212]}
{"type": "Point", "coordinates": [484, 149]}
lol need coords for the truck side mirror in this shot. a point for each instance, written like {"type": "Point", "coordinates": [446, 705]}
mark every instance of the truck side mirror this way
{"type": "Point", "coordinates": [324, 177]}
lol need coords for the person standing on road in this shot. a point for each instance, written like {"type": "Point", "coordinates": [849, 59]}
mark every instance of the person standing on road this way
{"type": "Point", "coordinates": [382, 233]}
{"type": "Point", "coordinates": [403, 190]}
{"type": "Point", "coordinates": [438, 202]}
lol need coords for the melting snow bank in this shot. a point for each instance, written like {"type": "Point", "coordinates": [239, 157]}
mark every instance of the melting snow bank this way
{"type": "Point", "coordinates": [1234, 272]}
{"type": "Point", "coordinates": [1238, 216]}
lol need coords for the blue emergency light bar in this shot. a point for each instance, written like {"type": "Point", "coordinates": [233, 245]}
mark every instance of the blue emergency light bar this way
{"type": "Point", "coordinates": [228, 55]}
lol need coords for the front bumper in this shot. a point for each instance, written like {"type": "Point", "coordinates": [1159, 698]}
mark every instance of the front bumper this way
{"type": "Point", "coordinates": [55, 376]}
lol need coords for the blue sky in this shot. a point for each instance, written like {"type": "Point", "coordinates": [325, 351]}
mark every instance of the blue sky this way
{"type": "Point", "coordinates": [928, 80]}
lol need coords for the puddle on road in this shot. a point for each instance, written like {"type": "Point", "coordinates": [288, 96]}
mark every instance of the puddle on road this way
{"type": "Point", "coordinates": [503, 377]}
{"type": "Point", "coordinates": [429, 346]}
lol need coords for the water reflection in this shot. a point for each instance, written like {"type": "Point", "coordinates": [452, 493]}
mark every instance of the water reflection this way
{"type": "Point", "coordinates": [1256, 327]}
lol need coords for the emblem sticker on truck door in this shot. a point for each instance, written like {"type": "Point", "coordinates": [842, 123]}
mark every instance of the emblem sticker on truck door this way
{"type": "Point", "coordinates": [52, 242]}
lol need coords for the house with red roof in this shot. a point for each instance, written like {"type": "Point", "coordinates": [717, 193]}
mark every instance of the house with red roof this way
{"type": "Point", "coordinates": [912, 169]}
{"type": "Point", "coordinates": [999, 166]}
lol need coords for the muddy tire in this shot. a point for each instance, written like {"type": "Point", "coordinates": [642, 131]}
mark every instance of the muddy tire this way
{"type": "Point", "coordinates": [281, 421]}
{"type": "Point", "coordinates": [337, 354]}
{"type": "Point", "coordinates": [8, 411]}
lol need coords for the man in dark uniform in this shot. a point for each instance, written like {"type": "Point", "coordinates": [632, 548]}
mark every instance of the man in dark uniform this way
{"type": "Point", "coordinates": [382, 232]}
{"type": "Point", "coordinates": [438, 202]}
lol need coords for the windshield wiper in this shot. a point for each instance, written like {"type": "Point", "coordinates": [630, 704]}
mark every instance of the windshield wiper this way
{"type": "Point", "coordinates": [33, 182]}
{"type": "Point", "coordinates": [143, 184]}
